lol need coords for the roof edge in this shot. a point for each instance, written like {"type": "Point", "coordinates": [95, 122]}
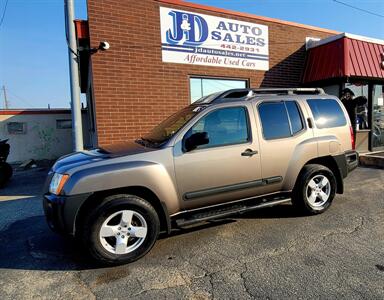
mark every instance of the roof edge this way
{"type": "Point", "coordinates": [34, 111]}
{"type": "Point", "coordinates": [333, 38]}
{"type": "Point", "coordinates": [245, 15]}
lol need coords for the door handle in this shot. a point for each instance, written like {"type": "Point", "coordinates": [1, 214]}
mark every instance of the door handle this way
{"type": "Point", "coordinates": [249, 152]}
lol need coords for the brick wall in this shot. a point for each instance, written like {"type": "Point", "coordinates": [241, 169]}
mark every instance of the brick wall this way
{"type": "Point", "coordinates": [134, 90]}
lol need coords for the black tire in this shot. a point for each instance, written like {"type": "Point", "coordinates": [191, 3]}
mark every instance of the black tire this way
{"type": "Point", "coordinates": [111, 205]}
{"type": "Point", "coordinates": [302, 193]}
{"type": "Point", "coordinates": [6, 172]}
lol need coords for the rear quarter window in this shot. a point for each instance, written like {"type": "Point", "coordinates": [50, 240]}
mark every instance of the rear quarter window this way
{"type": "Point", "coordinates": [327, 113]}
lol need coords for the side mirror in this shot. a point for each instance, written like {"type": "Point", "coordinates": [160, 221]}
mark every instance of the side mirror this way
{"type": "Point", "coordinates": [196, 139]}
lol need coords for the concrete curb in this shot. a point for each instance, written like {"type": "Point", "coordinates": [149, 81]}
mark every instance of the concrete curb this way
{"type": "Point", "coordinates": [373, 159]}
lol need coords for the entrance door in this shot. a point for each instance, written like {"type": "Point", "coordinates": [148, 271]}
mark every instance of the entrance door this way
{"type": "Point", "coordinates": [378, 117]}
{"type": "Point", "coordinates": [225, 169]}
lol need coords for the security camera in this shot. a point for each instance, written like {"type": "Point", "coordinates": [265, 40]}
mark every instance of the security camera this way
{"type": "Point", "coordinates": [104, 46]}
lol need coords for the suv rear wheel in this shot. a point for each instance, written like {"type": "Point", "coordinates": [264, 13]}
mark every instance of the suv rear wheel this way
{"type": "Point", "coordinates": [315, 189]}
{"type": "Point", "coordinates": [121, 229]}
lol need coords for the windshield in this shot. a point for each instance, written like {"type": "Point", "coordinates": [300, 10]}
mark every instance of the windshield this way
{"type": "Point", "coordinates": [166, 129]}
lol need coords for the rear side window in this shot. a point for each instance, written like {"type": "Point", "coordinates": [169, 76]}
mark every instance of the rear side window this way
{"type": "Point", "coordinates": [327, 113]}
{"type": "Point", "coordinates": [294, 116]}
{"type": "Point", "coordinates": [280, 119]}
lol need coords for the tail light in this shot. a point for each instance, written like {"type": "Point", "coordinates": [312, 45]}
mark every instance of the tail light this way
{"type": "Point", "coordinates": [352, 138]}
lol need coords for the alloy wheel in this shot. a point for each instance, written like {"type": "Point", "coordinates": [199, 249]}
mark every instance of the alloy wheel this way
{"type": "Point", "coordinates": [318, 191]}
{"type": "Point", "coordinates": [123, 232]}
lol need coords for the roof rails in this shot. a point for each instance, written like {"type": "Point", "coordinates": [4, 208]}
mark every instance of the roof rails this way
{"type": "Point", "coordinates": [288, 91]}
{"type": "Point", "coordinates": [248, 93]}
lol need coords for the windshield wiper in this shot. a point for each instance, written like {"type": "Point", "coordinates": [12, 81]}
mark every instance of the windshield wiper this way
{"type": "Point", "coordinates": [146, 142]}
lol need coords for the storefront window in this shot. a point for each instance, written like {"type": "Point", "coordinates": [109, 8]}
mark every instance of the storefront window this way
{"type": "Point", "coordinates": [378, 116]}
{"type": "Point", "coordinates": [200, 87]}
{"type": "Point", "coordinates": [332, 90]}
{"type": "Point", "coordinates": [361, 109]}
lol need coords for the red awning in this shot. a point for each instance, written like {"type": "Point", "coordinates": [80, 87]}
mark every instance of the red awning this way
{"type": "Point", "coordinates": [345, 56]}
{"type": "Point", "coordinates": [82, 29]}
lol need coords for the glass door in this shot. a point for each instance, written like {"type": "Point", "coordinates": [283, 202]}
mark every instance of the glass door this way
{"type": "Point", "coordinates": [378, 117]}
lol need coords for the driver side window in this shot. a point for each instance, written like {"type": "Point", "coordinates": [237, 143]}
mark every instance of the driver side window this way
{"type": "Point", "coordinates": [225, 126]}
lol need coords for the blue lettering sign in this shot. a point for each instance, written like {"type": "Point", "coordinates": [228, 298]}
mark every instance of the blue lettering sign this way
{"type": "Point", "coordinates": [188, 29]}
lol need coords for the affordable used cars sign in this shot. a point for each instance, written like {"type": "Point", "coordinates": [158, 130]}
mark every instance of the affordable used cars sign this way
{"type": "Point", "coordinates": [197, 39]}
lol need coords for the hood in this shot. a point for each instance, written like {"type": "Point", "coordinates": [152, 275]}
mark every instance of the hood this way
{"type": "Point", "coordinates": [77, 159]}
{"type": "Point", "coordinates": [122, 149]}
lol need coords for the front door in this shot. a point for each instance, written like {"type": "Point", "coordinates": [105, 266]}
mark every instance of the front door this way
{"type": "Point", "coordinates": [225, 169]}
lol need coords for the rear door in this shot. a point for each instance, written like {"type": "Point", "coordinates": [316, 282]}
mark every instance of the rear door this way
{"type": "Point", "coordinates": [286, 142]}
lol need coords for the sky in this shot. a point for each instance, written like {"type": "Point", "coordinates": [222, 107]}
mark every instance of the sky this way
{"type": "Point", "coordinates": [34, 56]}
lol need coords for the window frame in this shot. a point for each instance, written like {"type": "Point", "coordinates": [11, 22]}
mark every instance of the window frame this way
{"type": "Point", "coordinates": [23, 131]}
{"type": "Point", "coordinates": [202, 77]}
{"type": "Point", "coordinates": [304, 128]}
{"type": "Point", "coordinates": [247, 119]}
{"type": "Point", "coordinates": [59, 122]}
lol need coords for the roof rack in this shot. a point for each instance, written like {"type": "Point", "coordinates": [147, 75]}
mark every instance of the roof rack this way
{"type": "Point", "coordinates": [288, 91]}
{"type": "Point", "coordinates": [248, 93]}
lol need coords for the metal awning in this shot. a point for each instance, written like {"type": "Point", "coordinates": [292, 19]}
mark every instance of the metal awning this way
{"type": "Point", "coordinates": [344, 55]}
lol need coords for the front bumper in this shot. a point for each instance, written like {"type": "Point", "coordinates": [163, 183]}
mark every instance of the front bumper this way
{"type": "Point", "coordinates": [61, 211]}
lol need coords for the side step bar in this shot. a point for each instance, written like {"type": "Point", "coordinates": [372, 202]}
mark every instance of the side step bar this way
{"type": "Point", "coordinates": [218, 213]}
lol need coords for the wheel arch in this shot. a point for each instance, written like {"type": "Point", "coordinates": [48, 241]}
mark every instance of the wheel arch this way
{"type": "Point", "coordinates": [96, 198]}
{"type": "Point", "coordinates": [329, 162]}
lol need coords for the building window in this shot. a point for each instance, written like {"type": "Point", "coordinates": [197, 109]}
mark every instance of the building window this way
{"type": "Point", "coordinates": [327, 113]}
{"type": "Point", "coordinates": [201, 86]}
{"type": "Point", "coordinates": [226, 126]}
{"type": "Point", "coordinates": [64, 124]}
{"type": "Point", "coordinates": [17, 127]}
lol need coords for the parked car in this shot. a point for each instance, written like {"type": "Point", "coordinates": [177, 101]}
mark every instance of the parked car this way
{"type": "Point", "coordinates": [6, 170]}
{"type": "Point", "coordinates": [227, 153]}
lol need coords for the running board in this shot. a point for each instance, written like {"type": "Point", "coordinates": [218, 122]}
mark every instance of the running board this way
{"type": "Point", "coordinates": [219, 213]}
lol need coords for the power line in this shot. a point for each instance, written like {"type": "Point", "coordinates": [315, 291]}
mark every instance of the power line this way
{"type": "Point", "coordinates": [5, 9]}
{"type": "Point", "coordinates": [358, 8]}
{"type": "Point", "coordinates": [18, 97]}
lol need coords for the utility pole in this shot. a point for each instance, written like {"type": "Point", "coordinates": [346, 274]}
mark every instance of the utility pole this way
{"type": "Point", "coordinates": [6, 103]}
{"type": "Point", "coordinates": [77, 129]}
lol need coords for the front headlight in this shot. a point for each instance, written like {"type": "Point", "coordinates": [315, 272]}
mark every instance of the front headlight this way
{"type": "Point", "coordinates": [57, 183]}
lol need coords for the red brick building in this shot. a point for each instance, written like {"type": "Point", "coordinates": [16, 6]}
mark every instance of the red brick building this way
{"type": "Point", "coordinates": [132, 86]}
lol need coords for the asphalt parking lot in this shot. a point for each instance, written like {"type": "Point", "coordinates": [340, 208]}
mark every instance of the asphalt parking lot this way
{"type": "Point", "coordinates": [272, 253]}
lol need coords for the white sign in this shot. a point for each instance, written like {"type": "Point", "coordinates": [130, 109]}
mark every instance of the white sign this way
{"type": "Point", "coordinates": [197, 39]}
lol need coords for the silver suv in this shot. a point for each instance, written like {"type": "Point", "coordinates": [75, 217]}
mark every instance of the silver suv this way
{"type": "Point", "coordinates": [227, 153]}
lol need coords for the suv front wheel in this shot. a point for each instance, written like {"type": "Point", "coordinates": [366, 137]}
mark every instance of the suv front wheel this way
{"type": "Point", "coordinates": [315, 189]}
{"type": "Point", "coordinates": [121, 229]}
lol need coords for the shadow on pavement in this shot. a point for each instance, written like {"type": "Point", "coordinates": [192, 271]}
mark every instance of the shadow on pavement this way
{"type": "Point", "coordinates": [275, 212]}
{"type": "Point", "coordinates": [29, 182]}
{"type": "Point", "coordinates": [29, 244]}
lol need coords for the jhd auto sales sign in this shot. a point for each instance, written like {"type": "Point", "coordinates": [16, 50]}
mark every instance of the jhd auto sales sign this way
{"type": "Point", "coordinates": [198, 39]}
